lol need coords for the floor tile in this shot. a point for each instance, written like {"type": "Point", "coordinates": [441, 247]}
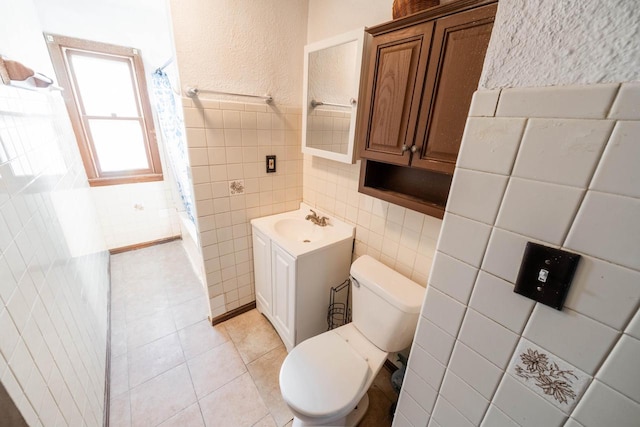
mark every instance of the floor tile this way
{"type": "Point", "coordinates": [189, 417]}
{"type": "Point", "coordinates": [119, 375]}
{"type": "Point", "coordinates": [215, 368]}
{"type": "Point", "coordinates": [265, 372]}
{"type": "Point", "coordinates": [183, 291]}
{"type": "Point", "coordinates": [148, 353]}
{"type": "Point", "coordinates": [200, 337]}
{"type": "Point", "coordinates": [120, 411]}
{"type": "Point", "coordinates": [253, 335]}
{"type": "Point", "coordinates": [190, 312]}
{"type": "Point", "coordinates": [236, 404]}
{"type": "Point", "coordinates": [150, 328]}
{"type": "Point", "coordinates": [378, 414]}
{"type": "Point", "coordinates": [383, 382]}
{"type": "Point", "coordinates": [267, 421]}
{"type": "Point", "coordinates": [150, 360]}
{"type": "Point", "coordinates": [162, 397]}
{"type": "Point", "coordinates": [154, 301]}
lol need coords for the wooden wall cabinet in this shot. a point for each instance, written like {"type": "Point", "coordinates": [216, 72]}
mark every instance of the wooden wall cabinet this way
{"type": "Point", "coordinates": [421, 74]}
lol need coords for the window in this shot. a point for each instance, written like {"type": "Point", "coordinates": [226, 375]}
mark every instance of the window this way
{"type": "Point", "coordinates": [107, 100]}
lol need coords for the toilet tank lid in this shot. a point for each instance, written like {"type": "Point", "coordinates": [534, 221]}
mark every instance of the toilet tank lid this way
{"type": "Point", "coordinates": [403, 293]}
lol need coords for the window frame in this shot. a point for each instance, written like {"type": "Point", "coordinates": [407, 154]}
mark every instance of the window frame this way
{"type": "Point", "coordinates": [59, 47]}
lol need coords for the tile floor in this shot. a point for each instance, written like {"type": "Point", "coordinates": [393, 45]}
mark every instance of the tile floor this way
{"type": "Point", "coordinates": [169, 367]}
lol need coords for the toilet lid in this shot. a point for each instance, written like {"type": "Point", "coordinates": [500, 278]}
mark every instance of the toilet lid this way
{"type": "Point", "coordinates": [322, 375]}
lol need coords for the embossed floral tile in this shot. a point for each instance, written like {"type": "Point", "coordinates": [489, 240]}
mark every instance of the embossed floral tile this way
{"type": "Point", "coordinates": [554, 379]}
{"type": "Point", "coordinates": [236, 187]}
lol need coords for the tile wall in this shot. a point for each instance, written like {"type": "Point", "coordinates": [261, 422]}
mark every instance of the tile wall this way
{"type": "Point", "coordinates": [53, 267]}
{"type": "Point", "coordinates": [228, 142]}
{"type": "Point", "coordinates": [403, 239]}
{"type": "Point", "coordinates": [560, 166]}
{"type": "Point", "coordinates": [328, 130]}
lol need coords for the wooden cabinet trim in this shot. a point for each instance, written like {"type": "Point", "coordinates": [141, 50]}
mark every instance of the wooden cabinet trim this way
{"type": "Point", "coordinates": [430, 14]}
{"type": "Point", "coordinates": [435, 150]}
{"type": "Point", "coordinates": [419, 38]}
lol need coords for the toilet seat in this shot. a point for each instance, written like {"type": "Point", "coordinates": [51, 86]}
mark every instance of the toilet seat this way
{"type": "Point", "coordinates": [323, 376]}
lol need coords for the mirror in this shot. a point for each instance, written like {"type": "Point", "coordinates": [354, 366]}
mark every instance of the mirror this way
{"type": "Point", "coordinates": [330, 93]}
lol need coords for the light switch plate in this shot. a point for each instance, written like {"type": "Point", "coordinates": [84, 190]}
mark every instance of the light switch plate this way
{"type": "Point", "coordinates": [546, 274]}
{"type": "Point", "coordinates": [271, 164]}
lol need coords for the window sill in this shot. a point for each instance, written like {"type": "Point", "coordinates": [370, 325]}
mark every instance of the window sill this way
{"type": "Point", "coordinates": [100, 182]}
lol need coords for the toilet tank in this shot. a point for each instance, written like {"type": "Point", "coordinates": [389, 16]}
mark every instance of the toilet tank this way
{"type": "Point", "coordinates": [386, 304]}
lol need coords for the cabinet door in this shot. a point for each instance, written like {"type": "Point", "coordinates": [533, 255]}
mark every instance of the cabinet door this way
{"type": "Point", "coordinates": [396, 72]}
{"type": "Point", "coordinates": [283, 276]}
{"type": "Point", "coordinates": [459, 45]}
{"type": "Point", "coordinates": [262, 272]}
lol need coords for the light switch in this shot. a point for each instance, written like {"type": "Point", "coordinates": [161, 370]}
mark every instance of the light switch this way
{"type": "Point", "coordinates": [545, 274]}
{"type": "Point", "coordinates": [271, 164]}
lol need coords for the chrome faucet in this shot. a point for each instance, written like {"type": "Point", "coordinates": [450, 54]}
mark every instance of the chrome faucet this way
{"type": "Point", "coordinates": [313, 217]}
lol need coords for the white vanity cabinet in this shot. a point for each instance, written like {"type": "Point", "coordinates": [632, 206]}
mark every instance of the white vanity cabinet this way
{"type": "Point", "coordinates": [283, 279]}
{"type": "Point", "coordinates": [293, 280]}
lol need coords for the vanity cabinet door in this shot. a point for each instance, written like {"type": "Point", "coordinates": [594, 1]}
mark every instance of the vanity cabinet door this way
{"type": "Point", "coordinates": [262, 272]}
{"type": "Point", "coordinates": [397, 65]}
{"type": "Point", "coordinates": [283, 277]}
{"type": "Point", "coordinates": [459, 45]}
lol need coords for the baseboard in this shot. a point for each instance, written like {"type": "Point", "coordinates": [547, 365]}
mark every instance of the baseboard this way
{"type": "Point", "coordinates": [143, 245]}
{"type": "Point", "coordinates": [233, 313]}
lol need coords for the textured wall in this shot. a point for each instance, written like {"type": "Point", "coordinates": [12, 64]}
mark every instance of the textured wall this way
{"type": "Point", "coordinates": [245, 46]}
{"type": "Point", "coordinates": [331, 73]}
{"type": "Point", "coordinates": [328, 18]}
{"type": "Point", "coordinates": [547, 43]}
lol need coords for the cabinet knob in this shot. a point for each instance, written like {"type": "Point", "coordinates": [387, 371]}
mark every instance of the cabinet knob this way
{"type": "Point", "coordinates": [405, 148]}
{"type": "Point", "coordinates": [414, 148]}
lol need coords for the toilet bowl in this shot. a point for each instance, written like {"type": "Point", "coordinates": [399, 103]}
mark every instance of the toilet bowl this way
{"type": "Point", "coordinates": [324, 379]}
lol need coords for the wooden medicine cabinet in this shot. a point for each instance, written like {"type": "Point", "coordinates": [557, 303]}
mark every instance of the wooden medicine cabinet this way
{"type": "Point", "coordinates": [422, 71]}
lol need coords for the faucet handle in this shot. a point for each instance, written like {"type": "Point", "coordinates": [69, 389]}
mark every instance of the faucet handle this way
{"type": "Point", "coordinates": [323, 221]}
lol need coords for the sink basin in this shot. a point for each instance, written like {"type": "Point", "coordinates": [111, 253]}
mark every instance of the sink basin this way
{"type": "Point", "coordinates": [298, 236]}
{"type": "Point", "coordinates": [299, 230]}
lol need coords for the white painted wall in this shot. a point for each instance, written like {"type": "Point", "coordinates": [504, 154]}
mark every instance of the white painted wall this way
{"type": "Point", "coordinates": [548, 43]}
{"type": "Point", "coordinates": [131, 213]}
{"type": "Point", "coordinates": [328, 18]}
{"type": "Point", "coordinates": [242, 46]}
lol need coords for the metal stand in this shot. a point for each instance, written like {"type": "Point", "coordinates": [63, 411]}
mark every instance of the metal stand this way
{"type": "Point", "coordinates": [339, 312]}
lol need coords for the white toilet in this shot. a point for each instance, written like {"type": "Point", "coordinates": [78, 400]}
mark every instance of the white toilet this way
{"type": "Point", "coordinates": [325, 379]}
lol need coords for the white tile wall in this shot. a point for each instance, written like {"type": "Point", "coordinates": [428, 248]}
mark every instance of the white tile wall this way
{"type": "Point", "coordinates": [403, 239]}
{"type": "Point", "coordinates": [601, 405]}
{"type": "Point", "coordinates": [619, 371]}
{"type": "Point", "coordinates": [583, 198]}
{"type": "Point", "coordinates": [617, 172]}
{"type": "Point", "coordinates": [490, 144]}
{"type": "Point", "coordinates": [230, 141]}
{"type": "Point", "coordinates": [53, 267]}
{"type": "Point", "coordinates": [471, 404]}
{"type": "Point", "coordinates": [475, 370]}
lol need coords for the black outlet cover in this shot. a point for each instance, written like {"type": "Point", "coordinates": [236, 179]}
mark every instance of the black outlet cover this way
{"type": "Point", "coordinates": [546, 274]}
{"type": "Point", "coordinates": [271, 164]}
